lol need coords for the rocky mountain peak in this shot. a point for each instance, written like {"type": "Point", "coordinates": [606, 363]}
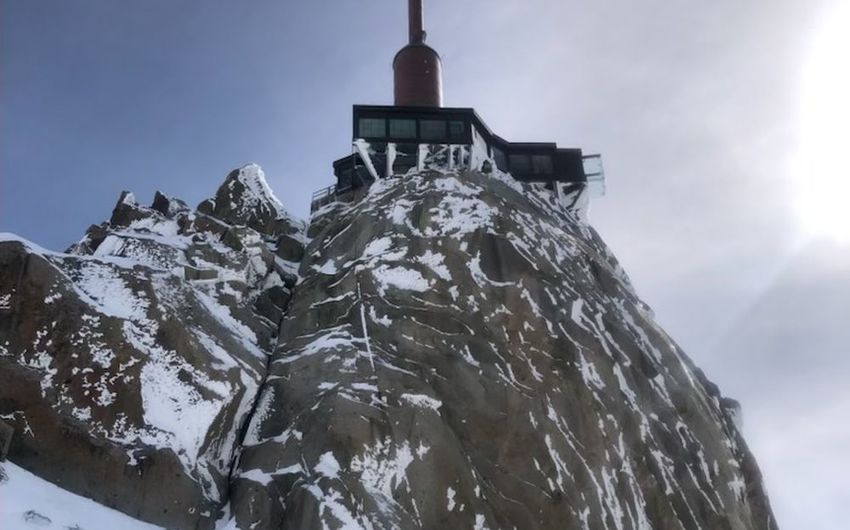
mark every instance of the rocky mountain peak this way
{"type": "Point", "coordinates": [246, 199]}
{"type": "Point", "coordinates": [454, 349]}
{"type": "Point", "coordinates": [143, 348]}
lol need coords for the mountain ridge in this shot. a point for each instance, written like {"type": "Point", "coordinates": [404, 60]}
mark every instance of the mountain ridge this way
{"type": "Point", "coordinates": [454, 348]}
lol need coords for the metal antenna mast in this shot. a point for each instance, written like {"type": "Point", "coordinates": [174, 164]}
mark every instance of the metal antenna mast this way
{"type": "Point", "coordinates": [416, 22]}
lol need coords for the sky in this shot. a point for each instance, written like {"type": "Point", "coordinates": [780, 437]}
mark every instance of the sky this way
{"type": "Point", "coordinates": [722, 126]}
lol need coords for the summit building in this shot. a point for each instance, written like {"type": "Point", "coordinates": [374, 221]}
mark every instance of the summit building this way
{"type": "Point", "coordinates": [417, 132]}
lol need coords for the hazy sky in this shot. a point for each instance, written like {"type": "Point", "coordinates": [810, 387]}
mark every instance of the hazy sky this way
{"type": "Point", "coordinates": [703, 112]}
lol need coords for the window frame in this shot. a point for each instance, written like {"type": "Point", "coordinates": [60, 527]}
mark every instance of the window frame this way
{"type": "Point", "coordinates": [547, 160]}
{"type": "Point", "coordinates": [526, 160]}
{"type": "Point", "coordinates": [394, 133]}
{"type": "Point", "coordinates": [453, 134]}
{"type": "Point", "coordinates": [442, 132]}
{"type": "Point", "coordinates": [361, 126]}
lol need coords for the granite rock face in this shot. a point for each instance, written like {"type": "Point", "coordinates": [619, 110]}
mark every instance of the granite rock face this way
{"type": "Point", "coordinates": [452, 350]}
{"type": "Point", "coordinates": [130, 364]}
{"type": "Point", "coordinates": [462, 352]}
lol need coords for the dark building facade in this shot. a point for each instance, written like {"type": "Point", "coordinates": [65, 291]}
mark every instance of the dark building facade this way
{"type": "Point", "coordinates": [391, 140]}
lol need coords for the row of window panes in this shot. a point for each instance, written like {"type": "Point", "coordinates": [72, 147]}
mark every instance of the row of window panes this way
{"type": "Point", "coordinates": [532, 165]}
{"type": "Point", "coordinates": [406, 129]}
{"type": "Point", "coordinates": [436, 130]}
{"type": "Point", "coordinates": [372, 128]}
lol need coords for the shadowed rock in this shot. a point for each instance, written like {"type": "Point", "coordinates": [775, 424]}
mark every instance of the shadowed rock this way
{"type": "Point", "coordinates": [6, 433]}
{"type": "Point", "coordinates": [129, 366]}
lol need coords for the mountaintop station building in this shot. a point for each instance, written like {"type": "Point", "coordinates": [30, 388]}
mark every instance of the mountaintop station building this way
{"type": "Point", "coordinates": [391, 140]}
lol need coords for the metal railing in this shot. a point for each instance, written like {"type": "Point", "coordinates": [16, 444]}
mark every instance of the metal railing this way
{"type": "Point", "coordinates": [324, 192]}
{"type": "Point", "coordinates": [322, 197]}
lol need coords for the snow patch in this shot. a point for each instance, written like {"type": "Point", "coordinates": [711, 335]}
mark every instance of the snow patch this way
{"type": "Point", "coordinates": [26, 499]}
{"type": "Point", "coordinates": [328, 466]}
{"type": "Point", "coordinates": [399, 277]}
{"type": "Point", "coordinates": [435, 262]}
{"type": "Point", "coordinates": [383, 467]}
{"type": "Point", "coordinates": [421, 400]}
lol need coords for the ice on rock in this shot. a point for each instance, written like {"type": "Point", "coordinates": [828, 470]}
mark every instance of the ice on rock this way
{"type": "Point", "coordinates": [256, 194]}
{"type": "Point", "coordinates": [448, 333]}
{"type": "Point", "coordinates": [142, 349]}
{"type": "Point", "coordinates": [468, 334]}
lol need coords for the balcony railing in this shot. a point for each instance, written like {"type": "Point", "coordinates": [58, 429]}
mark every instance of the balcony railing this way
{"type": "Point", "coordinates": [322, 197]}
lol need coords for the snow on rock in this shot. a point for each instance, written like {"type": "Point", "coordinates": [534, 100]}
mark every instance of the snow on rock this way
{"type": "Point", "coordinates": [28, 502]}
{"type": "Point", "coordinates": [453, 350]}
{"type": "Point", "coordinates": [421, 400]}
{"type": "Point", "coordinates": [463, 351]}
{"type": "Point", "coordinates": [450, 496]}
{"type": "Point", "coordinates": [131, 363]}
{"type": "Point", "coordinates": [327, 466]}
{"type": "Point", "coordinates": [399, 277]}
{"type": "Point", "coordinates": [245, 199]}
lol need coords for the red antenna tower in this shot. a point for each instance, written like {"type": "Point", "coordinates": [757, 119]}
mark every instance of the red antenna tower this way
{"type": "Point", "coordinates": [417, 67]}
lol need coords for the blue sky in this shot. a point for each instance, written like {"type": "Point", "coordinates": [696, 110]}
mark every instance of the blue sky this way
{"type": "Point", "coordinates": [696, 109]}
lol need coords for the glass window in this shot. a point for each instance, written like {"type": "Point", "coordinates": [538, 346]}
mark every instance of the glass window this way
{"type": "Point", "coordinates": [372, 128]}
{"type": "Point", "coordinates": [432, 130]}
{"type": "Point", "coordinates": [402, 128]}
{"type": "Point", "coordinates": [520, 164]}
{"type": "Point", "coordinates": [500, 158]}
{"type": "Point", "coordinates": [457, 130]}
{"type": "Point", "coordinates": [344, 179]}
{"type": "Point", "coordinates": [542, 164]}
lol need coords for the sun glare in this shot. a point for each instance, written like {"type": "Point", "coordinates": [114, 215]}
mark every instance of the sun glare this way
{"type": "Point", "coordinates": [824, 158]}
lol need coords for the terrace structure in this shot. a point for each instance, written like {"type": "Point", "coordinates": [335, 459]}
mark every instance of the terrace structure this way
{"type": "Point", "coordinates": [417, 132]}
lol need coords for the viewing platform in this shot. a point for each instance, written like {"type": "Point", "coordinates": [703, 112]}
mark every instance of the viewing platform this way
{"type": "Point", "coordinates": [417, 132]}
{"type": "Point", "coordinates": [390, 141]}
